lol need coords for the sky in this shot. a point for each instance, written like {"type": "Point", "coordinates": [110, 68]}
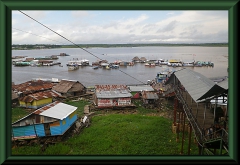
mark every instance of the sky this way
{"type": "Point", "coordinates": [119, 27]}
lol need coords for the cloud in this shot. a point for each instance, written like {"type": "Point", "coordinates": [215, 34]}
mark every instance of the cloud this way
{"type": "Point", "coordinates": [80, 14]}
{"type": "Point", "coordinates": [168, 27]}
{"type": "Point", "coordinates": [95, 27]}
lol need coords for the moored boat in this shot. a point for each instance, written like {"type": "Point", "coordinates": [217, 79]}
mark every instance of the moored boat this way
{"type": "Point", "coordinates": [95, 67]}
{"type": "Point", "coordinates": [73, 67]}
{"type": "Point", "coordinates": [188, 63]}
{"type": "Point", "coordinates": [162, 76]}
{"type": "Point", "coordinates": [150, 64]}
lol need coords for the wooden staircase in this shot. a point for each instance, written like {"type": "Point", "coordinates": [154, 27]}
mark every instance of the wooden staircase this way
{"type": "Point", "coordinates": [201, 119]}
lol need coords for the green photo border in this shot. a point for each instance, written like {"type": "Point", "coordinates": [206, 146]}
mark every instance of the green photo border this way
{"type": "Point", "coordinates": [6, 7]}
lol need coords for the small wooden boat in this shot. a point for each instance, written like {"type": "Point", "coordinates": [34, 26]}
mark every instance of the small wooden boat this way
{"type": "Point", "coordinates": [95, 67]}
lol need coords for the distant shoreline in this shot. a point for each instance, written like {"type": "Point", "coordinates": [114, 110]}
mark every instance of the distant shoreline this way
{"type": "Point", "coordinates": [48, 46]}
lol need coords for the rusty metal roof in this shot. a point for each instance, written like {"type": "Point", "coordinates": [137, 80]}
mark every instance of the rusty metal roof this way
{"type": "Point", "coordinates": [65, 85]}
{"type": "Point", "coordinates": [39, 96]}
{"type": "Point", "coordinates": [32, 86]}
{"type": "Point", "coordinates": [112, 91]}
{"type": "Point", "coordinates": [149, 95]}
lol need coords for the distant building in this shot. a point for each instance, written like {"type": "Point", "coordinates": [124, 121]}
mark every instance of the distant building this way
{"type": "Point", "coordinates": [70, 88]}
{"type": "Point", "coordinates": [137, 89]}
{"type": "Point", "coordinates": [143, 59]}
{"type": "Point", "coordinates": [112, 96]}
{"type": "Point", "coordinates": [149, 97]}
{"type": "Point", "coordinates": [136, 59]}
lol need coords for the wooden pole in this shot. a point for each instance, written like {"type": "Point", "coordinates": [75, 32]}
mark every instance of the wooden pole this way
{"type": "Point", "coordinates": [214, 112]}
{"type": "Point", "coordinates": [199, 149]}
{"type": "Point", "coordinates": [175, 111]}
{"type": "Point", "coordinates": [189, 138]}
{"type": "Point", "coordinates": [183, 133]}
{"type": "Point", "coordinates": [197, 111]}
{"type": "Point", "coordinates": [204, 116]}
{"type": "Point", "coordinates": [178, 127]}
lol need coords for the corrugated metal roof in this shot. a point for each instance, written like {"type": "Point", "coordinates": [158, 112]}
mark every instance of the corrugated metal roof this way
{"type": "Point", "coordinates": [195, 83]}
{"type": "Point", "coordinates": [215, 90]}
{"type": "Point", "coordinates": [149, 95]}
{"type": "Point", "coordinates": [39, 96]}
{"type": "Point", "coordinates": [224, 84]}
{"type": "Point", "coordinates": [137, 88]}
{"type": "Point", "coordinates": [112, 91]}
{"type": "Point", "coordinates": [65, 85]}
{"type": "Point", "coordinates": [40, 110]}
{"type": "Point", "coordinates": [58, 111]}
{"type": "Point", "coordinates": [32, 86]}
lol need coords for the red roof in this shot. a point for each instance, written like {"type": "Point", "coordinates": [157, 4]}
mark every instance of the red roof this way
{"type": "Point", "coordinates": [39, 96]}
{"type": "Point", "coordinates": [32, 86]}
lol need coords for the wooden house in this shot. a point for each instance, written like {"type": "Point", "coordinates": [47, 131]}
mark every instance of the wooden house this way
{"type": "Point", "coordinates": [112, 96]}
{"type": "Point", "coordinates": [143, 59]}
{"type": "Point", "coordinates": [149, 97]}
{"type": "Point", "coordinates": [136, 59]}
{"type": "Point", "coordinates": [39, 99]}
{"type": "Point", "coordinates": [70, 88]}
{"type": "Point", "coordinates": [137, 89]}
{"type": "Point", "coordinates": [51, 120]}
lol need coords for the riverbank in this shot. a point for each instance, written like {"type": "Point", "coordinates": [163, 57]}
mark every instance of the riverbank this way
{"type": "Point", "coordinates": [42, 46]}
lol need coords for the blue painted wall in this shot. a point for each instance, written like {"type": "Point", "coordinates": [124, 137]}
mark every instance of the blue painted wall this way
{"type": "Point", "coordinates": [55, 130]}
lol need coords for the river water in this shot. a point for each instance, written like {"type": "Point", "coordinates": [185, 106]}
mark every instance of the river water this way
{"type": "Point", "coordinates": [136, 74]}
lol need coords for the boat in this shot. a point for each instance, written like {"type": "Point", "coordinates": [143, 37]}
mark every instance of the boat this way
{"type": "Point", "coordinates": [162, 76]}
{"type": "Point", "coordinates": [64, 54]}
{"type": "Point", "coordinates": [73, 67]}
{"type": "Point", "coordinates": [105, 65]}
{"type": "Point", "coordinates": [74, 61]}
{"type": "Point", "coordinates": [95, 67]}
{"type": "Point", "coordinates": [188, 64]}
{"type": "Point", "coordinates": [22, 63]}
{"type": "Point", "coordinates": [114, 66]}
{"type": "Point", "coordinates": [210, 64]}
{"type": "Point", "coordinates": [84, 62]}
{"type": "Point", "coordinates": [150, 64]}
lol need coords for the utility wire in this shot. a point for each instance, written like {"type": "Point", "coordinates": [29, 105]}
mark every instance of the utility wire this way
{"type": "Point", "coordinates": [38, 35]}
{"type": "Point", "coordinates": [59, 34]}
{"type": "Point", "coordinates": [73, 43]}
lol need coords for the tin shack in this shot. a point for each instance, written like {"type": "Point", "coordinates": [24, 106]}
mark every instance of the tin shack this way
{"type": "Point", "coordinates": [112, 96]}
{"type": "Point", "coordinates": [53, 119]}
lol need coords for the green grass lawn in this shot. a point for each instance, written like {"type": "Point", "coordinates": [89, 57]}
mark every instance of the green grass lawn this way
{"type": "Point", "coordinates": [118, 134]}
